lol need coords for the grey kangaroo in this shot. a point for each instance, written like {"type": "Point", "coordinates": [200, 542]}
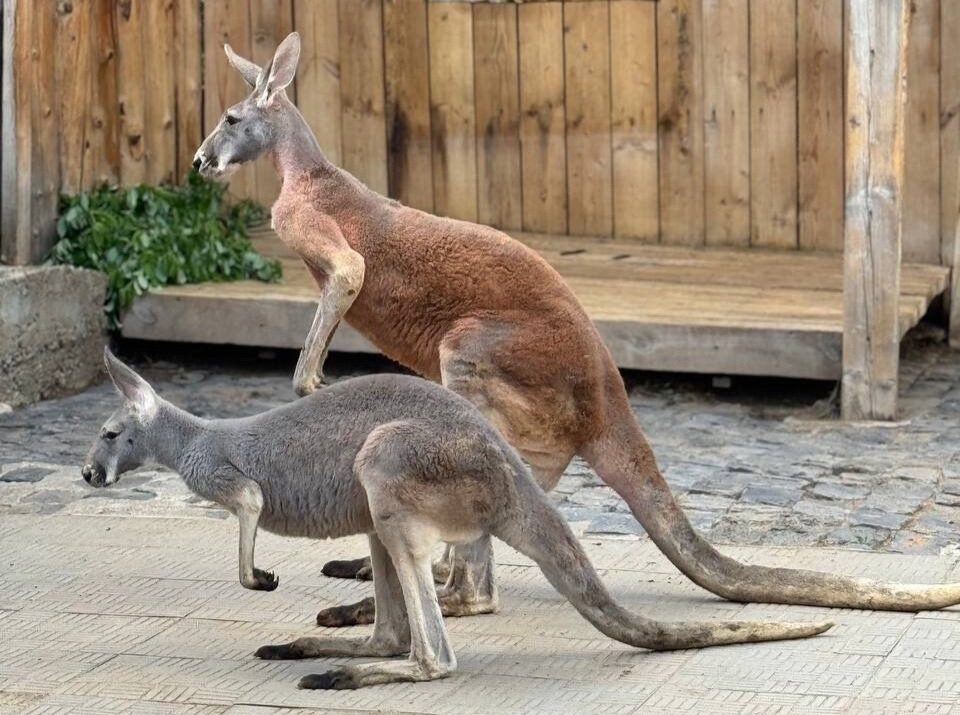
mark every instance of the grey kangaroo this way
{"type": "Point", "coordinates": [410, 464]}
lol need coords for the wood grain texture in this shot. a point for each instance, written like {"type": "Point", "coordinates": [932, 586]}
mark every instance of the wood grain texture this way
{"type": "Point", "coordinates": [159, 101]}
{"type": "Point", "coordinates": [949, 129]}
{"type": "Point", "coordinates": [542, 117]}
{"type": "Point", "coordinates": [364, 146]}
{"type": "Point", "coordinates": [225, 22]}
{"type": "Point", "coordinates": [130, 90]}
{"type": "Point", "coordinates": [921, 189]}
{"type": "Point", "coordinates": [452, 110]}
{"type": "Point", "coordinates": [104, 145]}
{"type": "Point", "coordinates": [9, 250]}
{"type": "Point", "coordinates": [773, 123]}
{"type": "Point", "coordinates": [633, 120]}
{"type": "Point", "coordinates": [680, 112]}
{"type": "Point", "coordinates": [407, 76]}
{"type": "Point", "coordinates": [876, 60]}
{"type": "Point", "coordinates": [586, 28]}
{"type": "Point", "coordinates": [820, 120]}
{"type": "Point", "coordinates": [17, 206]}
{"type": "Point", "coordinates": [497, 96]}
{"type": "Point", "coordinates": [188, 79]}
{"type": "Point", "coordinates": [318, 74]}
{"type": "Point", "coordinates": [270, 22]}
{"type": "Point", "coordinates": [75, 79]}
{"type": "Point", "coordinates": [726, 100]}
{"type": "Point", "coordinates": [44, 148]}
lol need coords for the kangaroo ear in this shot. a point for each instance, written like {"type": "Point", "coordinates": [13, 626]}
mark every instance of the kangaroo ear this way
{"type": "Point", "coordinates": [134, 388]}
{"type": "Point", "coordinates": [250, 71]}
{"type": "Point", "coordinates": [282, 68]}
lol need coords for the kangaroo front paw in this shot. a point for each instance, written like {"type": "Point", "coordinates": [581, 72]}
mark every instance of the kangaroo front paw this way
{"type": "Point", "coordinates": [336, 679]}
{"type": "Point", "coordinates": [261, 581]}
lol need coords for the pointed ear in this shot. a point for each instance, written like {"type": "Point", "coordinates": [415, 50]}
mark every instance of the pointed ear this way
{"type": "Point", "coordinates": [250, 71]}
{"type": "Point", "coordinates": [283, 67]}
{"type": "Point", "coordinates": [134, 388]}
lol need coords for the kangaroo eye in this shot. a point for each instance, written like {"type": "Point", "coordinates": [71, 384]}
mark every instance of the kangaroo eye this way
{"type": "Point", "coordinates": [231, 120]}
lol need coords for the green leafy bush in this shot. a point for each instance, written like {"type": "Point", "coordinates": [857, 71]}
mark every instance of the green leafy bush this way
{"type": "Point", "coordinates": [144, 237]}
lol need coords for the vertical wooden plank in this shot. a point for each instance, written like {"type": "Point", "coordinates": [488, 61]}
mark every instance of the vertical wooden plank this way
{"type": "Point", "coordinates": [270, 22]}
{"type": "Point", "coordinates": [921, 190]}
{"type": "Point", "coordinates": [543, 157]}
{"type": "Point", "coordinates": [680, 112]}
{"type": "Point", "coordinates": [586, 29]}
{"type": "Point", "coordinates": [187, 76]}
{"type": "Point", "coordinates": [130, 88]}
{"type": "Point", "coordinates": [9, 138]}
{"type": "Point", "coordinates": [498, 115]}
{"type": "Point", "coordinates": [953, 296]}
{"type": "Point", "coordinates": [633, 119]}
{"type": "Point", "coordinates": [407, 72]}
{"type": "Point", "coordinates": [773, 123]}
{"type": "Point", "coordinates": [726, 99]}
{"type": "Point", "coordinates": [18, 130]}
{"type": "Point", "coordinates": [876, 60]}
{"type": "Point", "coordinates": [318, 75]}
{"type": "Point", "coordinates": [75, 76]}
{"type": "Point", "coordinates": [44, 148]}
{"type": "Point", "coordinates": [949, 129]}
{"type": "Point", "coordinates": [159, 101]}
{"type": "Point", "coordinates": [225, 22]}
{"type": "Point", "coordinates": [364, 139]}
{"type": "Point", "coordinates": [452, 114]}
{"type": "Point", "coordinates": [820, 124]}
{"type": "Point", "coordinates": [103, 149]}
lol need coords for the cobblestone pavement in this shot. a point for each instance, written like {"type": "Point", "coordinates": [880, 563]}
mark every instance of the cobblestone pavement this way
{"type": "Point", "coordinates": [764, 462]}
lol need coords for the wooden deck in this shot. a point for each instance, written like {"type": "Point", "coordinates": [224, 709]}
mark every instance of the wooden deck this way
{"type": "Point", "coordinates": [748, 312]}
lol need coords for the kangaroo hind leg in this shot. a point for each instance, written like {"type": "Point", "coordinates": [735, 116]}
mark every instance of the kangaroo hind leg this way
{"type": "Point", "coordinates": [391, 633]}
{"type": "Point", "coordinates": [400, 503]}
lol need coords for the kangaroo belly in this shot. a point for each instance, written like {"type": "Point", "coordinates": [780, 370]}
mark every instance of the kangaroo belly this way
{"type": "Point", "coordinates": [320, 513]}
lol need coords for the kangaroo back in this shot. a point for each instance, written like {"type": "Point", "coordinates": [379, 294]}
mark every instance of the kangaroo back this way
{"type": "Point", "coordinates": [537, 530]}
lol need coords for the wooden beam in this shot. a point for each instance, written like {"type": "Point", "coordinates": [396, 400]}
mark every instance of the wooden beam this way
{"type": "Point", "coordinates": [953, 292]}
{"type": "Point", "coordinates": [874, 133]}
{"type": "Point", "coordinates": [8, 142]}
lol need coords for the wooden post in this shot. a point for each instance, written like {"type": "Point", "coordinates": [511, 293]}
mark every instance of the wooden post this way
{"type": "Point", "coordinates": [874, 133]}
{"type": "Point", "coordinates": [953, 330]}
{"type": "Point", "coordinates": [10, 243]}
{"type": "Point", "coordinates": [29, 158]}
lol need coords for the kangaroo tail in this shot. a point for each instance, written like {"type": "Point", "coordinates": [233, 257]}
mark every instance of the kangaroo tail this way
{"type": "Point", "coordinates": [623, 459]}
{"type": "Point", "coordinates": [538, 531]}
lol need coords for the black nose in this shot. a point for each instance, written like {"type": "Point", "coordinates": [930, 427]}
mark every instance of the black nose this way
{"type": "Point", "coordinates": [196, 163]}
{"type": "Point", "coordinates": [87, 473]}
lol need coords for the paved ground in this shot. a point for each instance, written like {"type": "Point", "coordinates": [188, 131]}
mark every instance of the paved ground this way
{"type": "Point", "coordinates": [141, 613]}
{"type": "Point", "coordinates": [125, 600]}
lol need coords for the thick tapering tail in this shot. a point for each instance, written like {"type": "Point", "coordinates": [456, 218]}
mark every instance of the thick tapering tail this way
{"type": "Point", "coordinates": [537, 530]}
{"type": "Point", "coordinates": [624, 460]}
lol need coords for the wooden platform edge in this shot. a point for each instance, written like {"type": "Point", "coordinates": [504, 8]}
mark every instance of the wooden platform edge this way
{"type": "Point", "coordinates": [283, 323]}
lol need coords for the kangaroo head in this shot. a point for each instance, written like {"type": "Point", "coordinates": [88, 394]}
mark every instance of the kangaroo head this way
{"type": "Point", "coordinates": [122, 443]}
{"type": "Point", "coordinates": [251, 127]}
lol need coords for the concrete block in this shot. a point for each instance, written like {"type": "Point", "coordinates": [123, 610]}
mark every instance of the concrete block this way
{"type": "Point", "coordinates": [52, 331]}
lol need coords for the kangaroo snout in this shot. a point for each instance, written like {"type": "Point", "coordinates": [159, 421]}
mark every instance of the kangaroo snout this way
{"type": "Point", "coordinates": [94, 475]}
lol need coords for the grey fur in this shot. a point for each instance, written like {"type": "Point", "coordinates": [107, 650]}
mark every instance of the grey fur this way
{"type": "Point", "coordinates": [405, 461]}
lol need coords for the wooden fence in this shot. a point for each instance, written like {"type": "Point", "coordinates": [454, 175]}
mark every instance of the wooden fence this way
{"type": "Point", "coordinates": [693, 122]}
